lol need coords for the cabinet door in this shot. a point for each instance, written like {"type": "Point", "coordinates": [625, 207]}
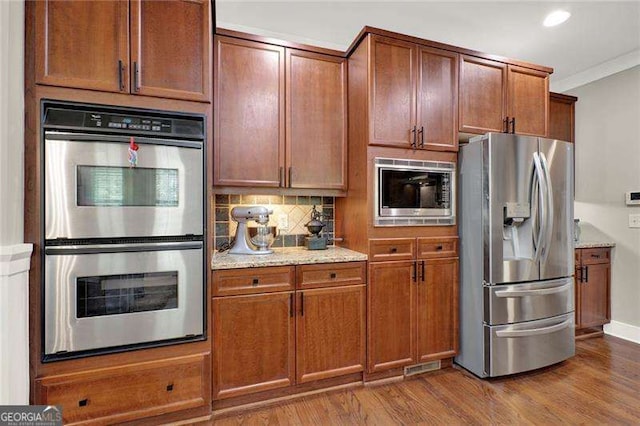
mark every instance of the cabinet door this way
{"type": "Point", "coordinates": [316, 120]}
{"type": "Point", "coordinates": [595, 297]}
{"type": "Point", "coordinates": [170, 48]}
{"type": "Point", "coordinates": [482, 101]}
{"type": "Point", "coordinates": [437, 99]}
{"type": "Point", "coordinates": [528, 101]}
{"type": "Point", "coordinates": [392, 108]}
{"type": "Point", "coordinates": [83, 44]}
{"type": "Point", "coordinates": [437, 325]}
{"type": "Point", "coordinates": [330, 339]}
{"type": "Point", "coordinates": [562, 117]}
{"type": "Point", "coordinates": [248, 113]}
{"type": "Point", "coordinates": [253, 343]}
{"type": "Point", "coordinates": [391, 315]}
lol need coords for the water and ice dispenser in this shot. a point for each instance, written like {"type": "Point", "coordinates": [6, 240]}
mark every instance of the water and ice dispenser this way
{"type": "Point", "coordinates": [517, 232]}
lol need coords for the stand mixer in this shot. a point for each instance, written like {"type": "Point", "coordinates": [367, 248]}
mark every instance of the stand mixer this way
{"type": "Point", "coordinates": [259, 244]}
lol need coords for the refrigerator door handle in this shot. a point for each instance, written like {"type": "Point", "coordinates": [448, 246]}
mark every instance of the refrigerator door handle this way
{"type": "Point", "coordinates": [525, 293]}
{"type": "Point", "coordinates": [534, 331]}
{"type": "Point", "coordinates": [550, 208]}
{"type": "Point", "coordinates": [542, 230]}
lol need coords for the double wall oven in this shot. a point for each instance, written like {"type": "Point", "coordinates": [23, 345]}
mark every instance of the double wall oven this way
{"type": "Point", "coordinates": [124, 224]}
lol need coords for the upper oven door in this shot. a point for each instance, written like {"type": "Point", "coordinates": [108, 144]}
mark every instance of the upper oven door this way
{"type": "Point", "coordinates": [91, 190]}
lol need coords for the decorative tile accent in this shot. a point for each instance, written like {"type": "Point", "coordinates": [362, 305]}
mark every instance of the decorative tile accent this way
{"type": "Point", "coordinates": [296, 209]}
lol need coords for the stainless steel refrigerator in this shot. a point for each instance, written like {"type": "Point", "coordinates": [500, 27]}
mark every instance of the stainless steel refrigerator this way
{"type": "Point", "coordinates": [517, 261]}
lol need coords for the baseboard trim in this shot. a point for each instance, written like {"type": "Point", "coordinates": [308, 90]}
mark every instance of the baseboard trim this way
{"type": "Point", "coordinates": [623, 331]}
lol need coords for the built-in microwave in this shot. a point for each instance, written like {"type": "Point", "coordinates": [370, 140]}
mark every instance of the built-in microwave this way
{"type": "Point", "coordinates": [410, 192]}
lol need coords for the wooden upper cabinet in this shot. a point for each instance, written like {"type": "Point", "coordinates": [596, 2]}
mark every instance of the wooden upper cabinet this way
{"type": "Point", "coordinates": [155, 48]}
{"type": "Point", "coordinates": [253, 343]}
{"type": "Point", "coordinates": [496, 97]}
{"type": "Point", "coordinates": [392, 92]}
{"type": "Point", "coordinates": [562, 117]}
{"type": "Point", "coordinates": [437, 99]}
{"type": "Point", "coordinates": [83, 44]}
{"type": "Point", "coordinates": [249, 113]}
{"type": "Point", "coordinates": [316, 120]}
{"type": "Point", "coordinates": [170, 48]}
{"type": "Point", "coordinates": [483, 96]}
{"type": "Point", "coordinates": [528, 100]}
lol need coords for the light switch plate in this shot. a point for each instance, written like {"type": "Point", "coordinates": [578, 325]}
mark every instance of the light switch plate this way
{"type": "Point", "coordinates": [283, 222]}
{"type": "Point", "coordinates": [634, 221]}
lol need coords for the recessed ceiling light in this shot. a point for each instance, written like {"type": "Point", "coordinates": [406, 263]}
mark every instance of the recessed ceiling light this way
{"type": "Point", "coordinates": [556, 18]}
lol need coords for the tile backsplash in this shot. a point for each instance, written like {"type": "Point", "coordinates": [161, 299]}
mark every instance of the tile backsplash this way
{"type": "Point", "coordinates": [295, 210]}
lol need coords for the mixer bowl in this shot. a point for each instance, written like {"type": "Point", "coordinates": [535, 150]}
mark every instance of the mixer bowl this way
{"type": "Point", "coordinates": [263, 236]}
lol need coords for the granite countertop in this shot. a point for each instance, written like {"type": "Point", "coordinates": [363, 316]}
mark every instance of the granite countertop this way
{"type": "Point", "coordinates": [285, 256]}
{"type": "Point", "coordinates": [592, 237]}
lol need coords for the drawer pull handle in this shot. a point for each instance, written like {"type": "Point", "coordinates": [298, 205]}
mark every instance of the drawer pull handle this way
{"type": "Point", "coordinates": [83, 403]}
{"type": "Point", "coordinates": [169, 387]}
{"type": "Point", "coordinates": [393, 250]}
{"type": "Point", "coordinates": [439, 248]}
{"type": "Point", "coordinates": [255, 281]}
{"type": "Point", "coordinates": [597, 256]}
{"type": "Point", "coordinates": [332, 275]}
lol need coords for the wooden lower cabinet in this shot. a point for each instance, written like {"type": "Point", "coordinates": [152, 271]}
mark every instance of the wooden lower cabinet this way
{"type": "Point", "coordinates": [271, 341]}
{"type": "Point", "coordinates": [330, 333]}
{"type": "Point", "coordinates": [391, 315]}
{"type": "Point", "coordinates": [253, 343]}
{"type": "Point", "coordinates": [437, 323]}
{"type": "Point", "coordinates": [412, 312]}
{"type": "Point", "coordinates": [119, 394]}
{"type": "Point", "coordinates": [593, 287]}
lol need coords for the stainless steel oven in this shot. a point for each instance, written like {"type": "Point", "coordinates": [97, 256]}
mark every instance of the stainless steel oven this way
{"type": "Point", "coordinates": [94, 190]}
{"type": "Point", "coordinates": [410, 192]}
{"type": "Point", "coordinates": [124, 229]}
{"type": "Point", "coordinates": [112, 295]}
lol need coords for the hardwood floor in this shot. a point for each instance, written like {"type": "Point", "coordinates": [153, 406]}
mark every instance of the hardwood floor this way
{"type": "Point", "coordinates": [600, 385]}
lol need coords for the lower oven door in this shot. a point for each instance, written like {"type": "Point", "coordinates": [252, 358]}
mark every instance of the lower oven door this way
{"type": "Point", "coordinates": [506, 304]}
{"type": "Point", "coordinates": [515, 348]}
{"type": "Point", "coordinates": [103, 297]}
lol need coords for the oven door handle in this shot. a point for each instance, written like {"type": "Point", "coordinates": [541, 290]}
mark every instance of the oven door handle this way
{"type": "Point", "coordinates": [94, 137]}
{"type": "Point", "coordinates": [119, 248]}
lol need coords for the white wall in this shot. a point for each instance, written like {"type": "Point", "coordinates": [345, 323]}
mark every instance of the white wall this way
{"type": "Point", "coordinates": [14, 256]}
{"type": "Point", "coordinates": [608, 165]}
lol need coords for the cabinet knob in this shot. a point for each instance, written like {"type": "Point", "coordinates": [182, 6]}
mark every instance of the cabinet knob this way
{"type": "Point", "coordinates": [169, 387]}
{"type": "Point", "coordinates": [83, 402]}
{"type": "Point", "coordinates": [255, 281]}
{"type": "Point", "coordinates": [332, 275]}
{"type": "Point", "coordinates": [439, 248]}
{"type": "Point", "coordinates": [393, 249]}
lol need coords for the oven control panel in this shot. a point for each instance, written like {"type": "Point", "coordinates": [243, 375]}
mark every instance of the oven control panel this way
{"type": "Point", "coordinates": [126, 122]}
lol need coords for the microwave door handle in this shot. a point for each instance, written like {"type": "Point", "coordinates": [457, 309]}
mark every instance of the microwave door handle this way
{"type": "Point", "coordinates": [550, 207]}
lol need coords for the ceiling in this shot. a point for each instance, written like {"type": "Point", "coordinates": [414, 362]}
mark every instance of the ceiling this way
{"type": "Point", "coordinates": [596, 33]}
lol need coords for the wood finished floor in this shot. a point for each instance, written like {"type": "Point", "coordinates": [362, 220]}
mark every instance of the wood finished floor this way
{"type": "Point", "coordinates": [600, 385]}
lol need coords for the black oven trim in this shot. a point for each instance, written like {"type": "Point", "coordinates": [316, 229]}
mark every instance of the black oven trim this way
{"type": "Point", "coordinates": [63, 356]}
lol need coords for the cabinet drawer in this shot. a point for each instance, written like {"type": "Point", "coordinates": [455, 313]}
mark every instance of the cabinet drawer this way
{"type": "Point", "coordinates": [385, 249]}
{"type": "Point", "coordinates": [595, 255]}
{"type": "Point", "coordinates": [429, 248]}
{"type": "Point", "coordinates": [331, 274]}
{"type": "Point", "coordinates": [229, 282]}
{"type": "Point", "coordinates": [118, 394]}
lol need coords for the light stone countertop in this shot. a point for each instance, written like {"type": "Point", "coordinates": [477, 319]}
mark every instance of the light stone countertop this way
{"type": "Point", "coordinates": [285, 256]}
{"type": "Point", "coordinates": [592, 237]}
